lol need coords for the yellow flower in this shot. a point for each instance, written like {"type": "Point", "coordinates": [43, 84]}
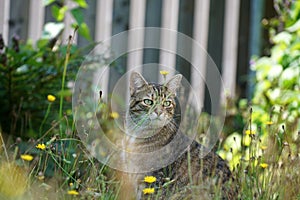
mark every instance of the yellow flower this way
{"type": "Point", "coordinates": [164, 72]}
{"type": "Point", "coordinates": [250, 132]}
{"type": "Point", "coordinates": [263, 147]}
{"type": "Point", "coordinates": [51, 98]}
{"type": "Point", "coordinates": [269, 122]}
{"type": "Point", "coordinates": [114, 115]}
{"type": "Point", "coordinates": [149, 179]}
{"type": "Point", "coordinates": [73, 192]}
{"type": "Point", "coordinates": [148, 190]}
{"type": "Point", "coordinates": [27, 157]}
{"type": "Point", "coordinates": [41, 146]}
{"type": "Point", "coordinates": [264, 165]}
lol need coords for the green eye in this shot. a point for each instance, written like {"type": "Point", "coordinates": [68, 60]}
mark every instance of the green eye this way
{"type": "Point", "coordinates": [148, 102]}
{"type": "Point", "coordinates": [167, 103]}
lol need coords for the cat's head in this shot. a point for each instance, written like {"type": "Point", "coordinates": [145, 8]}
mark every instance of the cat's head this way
{"type": "Point", "coordinates": [152, 105]}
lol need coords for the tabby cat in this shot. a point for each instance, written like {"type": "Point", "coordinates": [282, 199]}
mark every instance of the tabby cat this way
{"type": "Point", "coordinates": [151, 119]}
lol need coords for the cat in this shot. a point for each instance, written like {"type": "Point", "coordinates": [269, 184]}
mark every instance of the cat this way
{"type": "Point", "coordinates": [151, 121]}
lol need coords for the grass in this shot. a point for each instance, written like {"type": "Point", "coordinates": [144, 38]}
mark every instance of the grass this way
{"type": "Point", "coordinates": [264, 161]}
{"type": "Point", "coordinates": [60, 168]}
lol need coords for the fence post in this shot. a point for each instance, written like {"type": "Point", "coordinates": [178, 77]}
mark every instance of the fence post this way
{"type": "Point", "coordinates": [36, 20]}
{"type": "Point", "coordinates": [170, 12]}
{"type": "Point", "coordinates": [4, 19]}
{"type": "Point", "coordinates": [137, 15]}
{"type": "Point", "coordinates": [68, 21]}
{"type": "Point", "coordinates": [199, 56]}
{"type": "Point", "coordinates": [104, 12]}
{"type": "Point", "coordinates": [230, 47]}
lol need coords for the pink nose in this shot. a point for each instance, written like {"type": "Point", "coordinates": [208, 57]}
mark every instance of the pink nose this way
{"type": "Point", "coordinates": [158, 110]}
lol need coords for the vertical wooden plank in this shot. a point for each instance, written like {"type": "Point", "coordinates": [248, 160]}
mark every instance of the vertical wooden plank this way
{"type": "Point", "coordinates": [104, 12]}
{"type": "Point", "coordinates": [36, 20]}
{"type": "Point", "coordinates": [199, 54]}
{"type": "Point", "coordinates": [170, 12]}
{"type": "Point", "coordinates": [68, 21]}
{"type": "Point", "coordinates": [136, 38]}
{"type": "Point", "coordinates": [4, 19]}
{"type": "Point", "coordinates": [230, 47]}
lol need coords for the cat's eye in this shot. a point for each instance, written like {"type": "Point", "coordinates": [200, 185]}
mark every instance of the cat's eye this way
{"type": "Point", "coordinates": [148, 102]}
{"type": "Point", "coordinates": [167, 103]}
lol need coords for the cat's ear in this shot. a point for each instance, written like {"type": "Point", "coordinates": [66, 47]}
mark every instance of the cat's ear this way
{"type": "Point", "coordinates": [137, 81]}
{"type": "Point", "coordinates": [174, 83]}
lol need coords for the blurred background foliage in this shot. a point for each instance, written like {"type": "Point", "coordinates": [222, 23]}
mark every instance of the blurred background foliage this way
{"type": "Point", "coordinates": [29, 72]}
{"type": "Point", "coordinates": [274, 110]}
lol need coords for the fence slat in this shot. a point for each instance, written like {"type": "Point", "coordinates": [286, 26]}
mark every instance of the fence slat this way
{"type": "Point", "coordinates": [199, 56]}
{"type": "Point", "coordinates": [4, 19]}
{"type": "Point", "coordinates": [103, 31]}
{"type": "Point", "coordinates": [68, 21]}
{"type": "Point", "coordinates": [136, 38]}
{"type": "Point", "coordinates": [36, 20]}
{"type": "Point", "coordinates": [230, 47]}
{"type": "Point", "coordinates": [170, 14]}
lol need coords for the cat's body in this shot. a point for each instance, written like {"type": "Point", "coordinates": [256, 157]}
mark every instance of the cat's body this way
{"type": "Point", "coordinates": [150, 120]}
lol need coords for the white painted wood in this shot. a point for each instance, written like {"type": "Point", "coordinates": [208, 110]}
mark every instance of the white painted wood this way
{"type": "Point", "coordinates": [103, 31]}
{"type": "Point", "coordinates": [199, 54]}
{"type": "Point", "coordinates": [136, 36]}
{"type": "Point", "coordinates": [230, 47]}
{"type": "Point", "coordinates": [167, 59]}
{"type": "Point", "coordinates": [4, 19]}
{"type": "Point", "coordinates": [36, 20]}
{"type": "Point", "coordinates": [68, 21]}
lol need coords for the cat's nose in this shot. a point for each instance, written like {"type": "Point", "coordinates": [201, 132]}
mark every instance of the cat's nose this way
{"type": "Point", "coordinates": [158, 111]}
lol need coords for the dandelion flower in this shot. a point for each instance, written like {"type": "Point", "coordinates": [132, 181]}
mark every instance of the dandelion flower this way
{"type": "Point", "coordinates": [51, 98]}
{"type": "Point", "coordinates": [164, 72]}
{"type": "Point", "coordinates": [148, 190]}
{"type": "Point", "coordinates": [41, 146]}
{"type": "Point", "coordinates": [73, 192]}
{"type": "Point", "coordinates": [27, 157]}
{"type": "Point", "coordinates": [114, 115]}
{"type": "Point", "coordinates": [149, 179]}
{"type": "Point", "coordinates": [250, 132]}
{"type": "Point", "coordinates": [263, 147]}
{"type": "Point", "coordinates": [264, 165]}
{"type": "Point", "coordinates": [269, 122]}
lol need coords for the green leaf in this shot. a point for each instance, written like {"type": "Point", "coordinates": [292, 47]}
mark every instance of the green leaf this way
{"type": "Point", "coordinates": [295, 27]}
{"type": "Point", "coordinates": [81, 3]}
{"type": "Point", "coordinates": [275, 72]}
{"type": "Point", "coordinates": [84, 31]}
{"type": "Point", "coordinates": [78, 15]}
{"type": "Point", "coordinates": [289, 77]}
{"type": "Point", "coordinates": [59, 12]}
{"type": "Point", "coordinates": [283, 37]}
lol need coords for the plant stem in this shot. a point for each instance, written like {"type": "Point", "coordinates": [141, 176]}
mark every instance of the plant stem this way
{"type": "Point", "coordinates": [44, 120]}
{"type": "Point", "coordinates": [63, 82]}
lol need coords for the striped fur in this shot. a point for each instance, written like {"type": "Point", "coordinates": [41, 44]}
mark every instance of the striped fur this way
{"type": "Point", "coordinates": [153, 125]}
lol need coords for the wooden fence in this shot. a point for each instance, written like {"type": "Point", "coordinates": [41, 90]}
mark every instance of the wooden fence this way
{"type": "Point", "coordinates": [214, 24]}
